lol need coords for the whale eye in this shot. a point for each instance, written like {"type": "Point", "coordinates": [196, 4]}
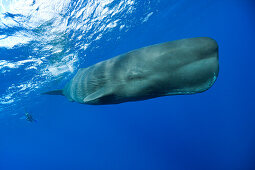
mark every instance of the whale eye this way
{"type": "Point", "coordinates": [137, 74]}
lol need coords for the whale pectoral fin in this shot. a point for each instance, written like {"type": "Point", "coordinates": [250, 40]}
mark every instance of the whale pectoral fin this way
{"type": "Point", "coordinates": [97, 94]}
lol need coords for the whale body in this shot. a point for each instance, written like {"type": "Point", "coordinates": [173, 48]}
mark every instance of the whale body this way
{"type": "Point", "coordinates": [186, 66]}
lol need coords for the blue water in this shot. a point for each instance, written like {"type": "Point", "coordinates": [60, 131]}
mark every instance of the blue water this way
{"type": "Point", "coordinates": [42, 45]}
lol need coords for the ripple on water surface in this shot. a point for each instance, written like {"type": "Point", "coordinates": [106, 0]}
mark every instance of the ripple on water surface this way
{"type": "Point", "coordinates": [43, 42]}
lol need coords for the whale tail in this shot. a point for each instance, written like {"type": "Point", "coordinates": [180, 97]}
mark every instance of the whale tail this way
{"type": "Point", "coordinates": [54, 92]}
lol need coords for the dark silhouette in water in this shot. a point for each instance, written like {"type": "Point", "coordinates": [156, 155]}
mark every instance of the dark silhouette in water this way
{"type": "Point", "coordinates": [29, 117]}
{"type": "Point", "coordinates": [184, 66]}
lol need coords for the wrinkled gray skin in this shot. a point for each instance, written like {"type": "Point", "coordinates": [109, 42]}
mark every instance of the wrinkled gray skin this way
{"type": "Point", "coordinates": [185, 66]}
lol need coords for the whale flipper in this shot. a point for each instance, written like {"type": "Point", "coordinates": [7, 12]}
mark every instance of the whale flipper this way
{"type": "Point", "coordinates": [102, 92]}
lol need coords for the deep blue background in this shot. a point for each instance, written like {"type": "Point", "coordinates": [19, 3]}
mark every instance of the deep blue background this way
{"type": "Point", "coordinates": [212, 130]}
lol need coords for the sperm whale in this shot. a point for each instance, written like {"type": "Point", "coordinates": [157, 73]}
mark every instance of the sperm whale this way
{"type": "Point", "coordinates": [185, 66]}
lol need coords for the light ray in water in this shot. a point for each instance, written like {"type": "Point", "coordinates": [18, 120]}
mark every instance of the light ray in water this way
{"type": "Point", "coordinates": [45, 41]}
